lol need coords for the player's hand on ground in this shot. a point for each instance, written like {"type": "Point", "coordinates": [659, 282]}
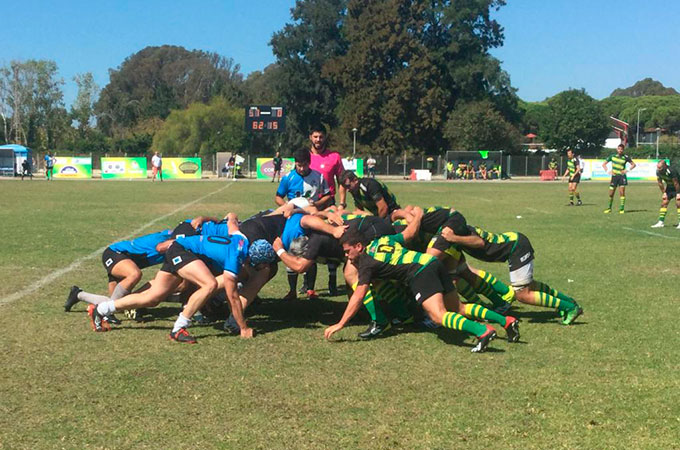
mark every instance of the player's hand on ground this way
{"type": "Point", "coordinates": [277, 244]}
{"type": "Point", "coordinates": [246, 333]}
{"type": "Point", "coordinates": [330, 331]}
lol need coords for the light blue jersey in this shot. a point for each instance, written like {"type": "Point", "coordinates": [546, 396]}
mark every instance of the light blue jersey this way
{"type": "Point", "coordinates": [144, 245]}
{"type": "Point", "coordinates": [293, 185]}
{"type": "Point", "coordinates": [226, 252]}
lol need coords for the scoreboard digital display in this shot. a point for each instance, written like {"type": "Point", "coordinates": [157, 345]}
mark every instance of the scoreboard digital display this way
{"type": "Point", "coordinates": [265, 119]}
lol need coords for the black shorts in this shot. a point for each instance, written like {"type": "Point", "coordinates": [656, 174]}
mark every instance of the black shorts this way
{"type": "Point", "coordinates": [575, 179]}
{"type": "Point", "coordinates": [177, 257]}
{"type": "Point", "coordinates": [110, 258]}
{"type": "Point", "coordinates": [671, 193]}
{"type": "Point", "coordinates": [522, 254]}
{"type": "Point", "coordinates": [432, 279]}
{"type": "Point", "coordinates": [619, 180]}
{"type": "Point", "coordinates": [184, 229]}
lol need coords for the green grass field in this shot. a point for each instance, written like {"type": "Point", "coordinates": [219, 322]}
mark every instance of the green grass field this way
{"type": "Point", "coordinates": [609, 381]}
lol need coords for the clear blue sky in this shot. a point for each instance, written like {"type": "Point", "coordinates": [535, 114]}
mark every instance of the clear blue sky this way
{"type": "Point", "coordinates": [550, 45]}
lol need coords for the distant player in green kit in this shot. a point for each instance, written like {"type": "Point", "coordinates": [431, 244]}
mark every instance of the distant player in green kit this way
{"type": "Point", "coordinates": [619, 177]}
{"type": "Point", "coordinates": [669, 184]}
{"type": "Point", "coordinates": [574, 172]}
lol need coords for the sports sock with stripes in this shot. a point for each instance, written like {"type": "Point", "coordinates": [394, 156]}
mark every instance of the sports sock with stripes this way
{"type": "Point", "coordinates": [662, 213]}
{"type": "Point", "coordinates": [554, 292]}
{"type": "Point", "coordinates": [479, 312]}
{"type": "Point", "coordinates": [456, 321]}
{"type": "Point", "coordinates": [466, 291]}
{"type": "Point", "coordinates": [622, 201]}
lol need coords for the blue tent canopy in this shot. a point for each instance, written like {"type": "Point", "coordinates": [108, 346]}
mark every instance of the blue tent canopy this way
{"type": "Point", "coordinates": [11, 157]}
{"type": "Point", "coordinates": [19, 150]}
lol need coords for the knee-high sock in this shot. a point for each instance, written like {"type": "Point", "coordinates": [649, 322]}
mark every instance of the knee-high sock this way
{"type": "Point", "coordinates": [372, 307]}
{"type": "Point", "coordinates": [92, 298]}
{"type": "Point", "coordinates": [456, 321]}
{"type": "Point", "coordinates": [119, 292]}
{"type": "Point", "coordinates": [554, 292]}
{"type": "Point", "coordinates": [476, 311]}
{"type": "Point", "coordinates": [332, 276]}
{"type": "Point", "coordinates": [577, 194]}
{"type": "Point", "coordinates": [611, 201]}
{"type": "Point", "coordinates": [492, 288]}
{"type": "Point", "coordinates": [310, 277]}
{"type": "Point", "coordinates": [549, 301]}
{"type": "Point", "coordinates": [394, 296]}
{"type": "Point", "coordinates": [292, 280]}
{"type": "Point", "coordinates": [623, 203]}
{"type": "Point", "coordinates": [466, 291]}
{"type": "Point", "coordinates": [571, 196]}
{"type": "Point", "coordinates": [662, 213]}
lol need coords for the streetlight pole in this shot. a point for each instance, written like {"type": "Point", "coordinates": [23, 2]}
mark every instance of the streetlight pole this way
{"type": "Point", "coordinates": [637, 133]}
{"type": "Point", "coordinates": [354, 147]}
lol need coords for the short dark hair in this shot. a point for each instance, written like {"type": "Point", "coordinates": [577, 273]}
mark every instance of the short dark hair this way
{"type": "Point", "coordinates": [317, 127]}
{"type": "Point", "coordinates": [302, 156]}
{"type": "Point", "coordinates": [347, 175]}
{"type": "Point", "coordinates": [353, 237]}
{"type": "Point", "coordinates": [621, 145]}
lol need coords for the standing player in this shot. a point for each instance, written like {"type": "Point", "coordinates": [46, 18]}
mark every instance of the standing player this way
{"type": "Point", "coordinates": [574, 172]}
{"type": "Point", "coordinates": [669, 176]}
{"type": "Point", "coordinates": [619, 177]}
{"type": "Point", "coordinates": [278, 162]}
{"type": "Point", "coordinates": [49, 166]}
{"type": "Point", "coordinates": [303, 182]}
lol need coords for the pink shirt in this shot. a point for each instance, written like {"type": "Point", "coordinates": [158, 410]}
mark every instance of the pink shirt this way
{"type": "Point", "coordinates": [329, 163]}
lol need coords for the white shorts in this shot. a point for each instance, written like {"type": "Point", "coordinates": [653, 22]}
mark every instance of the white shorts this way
{"type": "Point", "coordinates": [523, 276]}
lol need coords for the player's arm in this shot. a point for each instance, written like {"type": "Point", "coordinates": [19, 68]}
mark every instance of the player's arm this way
{"type": "Point", "coordinates": [323, 201]}
{"type": "Point", "coordinates": [413, 225]}
{"type": "Point", "coordinates": [403, 213]}
{"type": "Point", "coordinates": [231, 289]}
{"type": "Point", "coordinates": [164, 246]}
{"type": "Point", "coordinates": [295, 263]}
{"type": "Point", "coordinates": [632, 165]}
{"type": "Point", "coordinates": [383, 210]}
{"type": "Point", "coordinates": [353, 306]}
{"type": "Point", "coordinates": [318, 224]}
{"type": "Point", "coordinates": [676, 183]}
{"type": "Point", "coordinates": [662, 188]}
{"type": "Point", "coordinates": [281, 191]}
{"type": "Point", "coordinates": [200, 220]}
{"type": "Point", "coordinates": [232, 223]}
{"type": "Point", "coordinates": [604, 165]}
{"type": "Point", "coordinates": [471, 241]}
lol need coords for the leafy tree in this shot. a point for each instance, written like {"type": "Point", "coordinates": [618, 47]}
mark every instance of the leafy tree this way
{"type": "Point", "coordinates": [82, 110]}
{"type": "Point", "coordinates": [302, 48]}
{"type": "Point", "coordinates": [533, 115]}
{"type": "Point", "coordinates": [30, 93]}
{"type": "Point", "coordinates": [203, 129]}
{"type": "Point", "coordinates": [644, 87]}
{"type": "Point", "coordinates": [479, 126]}
{"type": "Point", "coordinates": [156, 80]}
{"type": "Point", "coordinates": [574, 119]}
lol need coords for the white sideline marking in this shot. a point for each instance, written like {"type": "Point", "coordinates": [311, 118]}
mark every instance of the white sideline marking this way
{"type": "Point", "coordinates": [537, 210]}
{"type": "Point", "coordinates": [651, 233]}
{"type": "Point", "coordinates": [64, 270]}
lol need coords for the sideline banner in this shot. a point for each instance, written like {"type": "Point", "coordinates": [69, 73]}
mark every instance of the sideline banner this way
{"type": "Point", "coordinates": [73, 167]}
{"type": "Point", "coordinates": [265, 167]}
{"type": "Point", "coordinates": [123, 168]}
{"type": "Point", "coordinates": [645, 169]}
{"type": "Point", "coordinates": [181, 168]}
{"type": "Point", "coordinates": [355, 165]}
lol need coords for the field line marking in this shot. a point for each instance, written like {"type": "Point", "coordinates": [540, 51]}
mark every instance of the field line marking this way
{"type": "Point", "coordinates": [75, 264]}
{"type": "Point", "coordinates": [538, 210]}
{"type": "Point", "coordinates": [651, 233]}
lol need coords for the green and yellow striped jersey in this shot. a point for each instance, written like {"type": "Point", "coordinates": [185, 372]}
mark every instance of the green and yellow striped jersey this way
{"type": "Point", "coordinates": [497, 247]}
{"type": "Point", "coordinates": [572, 166]}
{"type": "Point", "coordinates": [386, 258]}
{"type": "Point", "coordinates": [619, 163]}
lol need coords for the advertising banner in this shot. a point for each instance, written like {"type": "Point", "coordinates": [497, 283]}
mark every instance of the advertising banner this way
{"type": "Point", "coordinates": [355, 165]}
{"type": "Point", "coordinates": [645, 169]}
{"type": "Point", "coordinates": [123, 168]}
{"type": "Point", "coordinates": [182, 168]}
{"type": "Point", "coordinates": [265, 167]}
{"type": "Point", "coordinates": [72, 167]}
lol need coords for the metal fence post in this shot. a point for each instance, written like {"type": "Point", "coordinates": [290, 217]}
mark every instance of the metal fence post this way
{"type": "Point", "coordinates": [387, 170]}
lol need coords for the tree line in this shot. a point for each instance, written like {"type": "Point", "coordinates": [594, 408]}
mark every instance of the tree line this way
{"type": "Point", "coordinates": [412, 76]}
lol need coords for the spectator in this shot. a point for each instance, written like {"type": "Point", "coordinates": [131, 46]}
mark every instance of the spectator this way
{"type": "Point", "coordinates": [370, 164]}
{"type": "Point", "coordinates": [26, 169]}
{"type": "Point", "coordinates": [156, 167]}
{"type": "Point", "coordinates": [450, 170]}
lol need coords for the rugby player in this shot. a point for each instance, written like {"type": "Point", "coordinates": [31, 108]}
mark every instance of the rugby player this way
{"type": "Point", "coordinates": [516, 250]}
{"type": "Point", "coordinates": [667, 178]}
{"type": "Point", "coordinates": [196, 259]}
{"type": "Point", "coordinates": [370, 195]}
{"type": "Point", "coordinates": [124, 262]}
{"type": "Point", "coordinates": [574, 172]}
{"type": "Point", "coordinates": [386, 258]}
{"type": "Point", "coordinates": [619, 178]}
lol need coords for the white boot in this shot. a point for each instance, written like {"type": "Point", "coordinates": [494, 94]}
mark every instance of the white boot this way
{"type": "Point", "coordinates": [659, 224]}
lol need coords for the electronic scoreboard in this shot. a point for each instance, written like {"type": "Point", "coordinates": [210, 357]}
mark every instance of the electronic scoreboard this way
{"type": "Point", "coordinates": [265, 118]}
